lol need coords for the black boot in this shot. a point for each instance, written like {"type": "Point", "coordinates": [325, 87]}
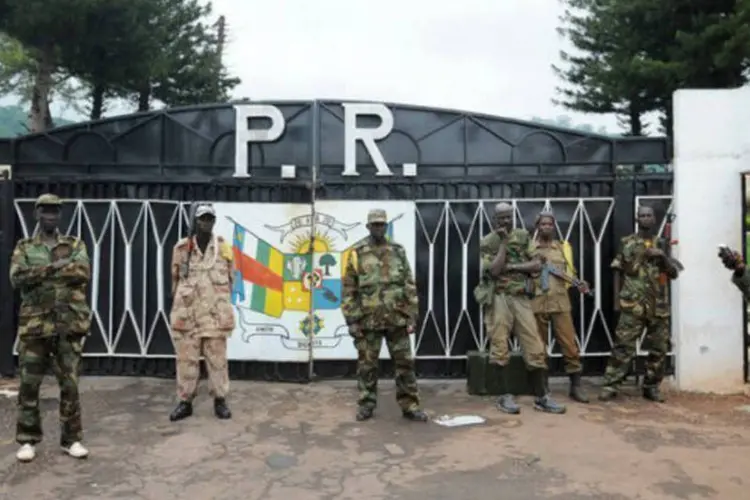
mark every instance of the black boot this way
{"type": "Point", "coordinates": [221, 410]}
{"type": "Point", "coordinates": [184, 409]}
{"type": "Point", "coordinates": [505, 402]}
{"type": "Point", "coordinates": [542, 400]}
{"type": "Point", "coordinates": [364, 413]}
{"type": "Point", "coordinates": [416, 415]}
{"type": "Point", "coordinates": [653, 394]}
{"type": "Point", "coordinates": [576, 391]}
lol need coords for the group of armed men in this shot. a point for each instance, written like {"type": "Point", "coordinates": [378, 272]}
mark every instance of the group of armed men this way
{"type": "Point", "coordinates": [524, 288]}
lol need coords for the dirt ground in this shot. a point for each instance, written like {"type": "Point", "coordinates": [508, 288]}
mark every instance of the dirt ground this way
{"type": "Point", "coordinates": [301, 442]}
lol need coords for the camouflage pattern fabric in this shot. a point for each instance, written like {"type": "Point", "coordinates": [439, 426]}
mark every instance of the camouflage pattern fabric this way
{"type": "Point", "coordinates": [368, 346]}
{"type": "Point", "coordinates": [214, 351]}
{"type": "Point", "coordinates": [35, 355]}
{"type": "Point", "coordinates": [53, 299]}
{"type": "Point", "coordinates": [643, 305]}
{"type": "Point", "coordinates": [517, 245]}
{"type": "Point", "coordinates": [202, 315]}
{"type": "Point", "coordinates": [742, 282]}
{"type": "Point", "coordinates": [380, 296]}
{"type": "Point", "coordinates": [379, 292]}
{"type": "Point", "coordinates": [202, 305]}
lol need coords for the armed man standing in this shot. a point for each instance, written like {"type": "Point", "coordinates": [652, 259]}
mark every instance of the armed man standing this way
{"type": "Point", "coordinates": [643, 303]}
{"type": "Point", "coordinates": [51, 271]}
{"type": "Point", "coordinates": [379, 301]}
{"type": "Point", "coordinates": [202, 316]}
{"type": "Point", "coordinates": [505, 292]}
{"type": "Point", "coordinates": [552, 305]}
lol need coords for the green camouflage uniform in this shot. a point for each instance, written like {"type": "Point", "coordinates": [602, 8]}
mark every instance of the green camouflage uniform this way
{"type": "Point", "coordinates": [379, 295]}
{"type": "Point", "coordinates": [509, 307]}
{"type": "Point", "coordinates": [644, 304]}
{"type": "Point", "coordinates": [53, 320]}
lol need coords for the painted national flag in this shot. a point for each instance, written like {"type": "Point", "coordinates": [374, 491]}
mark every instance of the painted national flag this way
{"type": "Point", "coordinates": [262, 267]}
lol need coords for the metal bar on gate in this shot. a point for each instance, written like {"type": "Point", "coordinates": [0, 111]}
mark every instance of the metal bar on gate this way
{"type": "Point", "coordinates": [314, 165]}
{"type": "Point", "coordinates": [7, 305]}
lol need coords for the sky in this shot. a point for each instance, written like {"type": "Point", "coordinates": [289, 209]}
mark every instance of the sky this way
{"type": "Point", "coordinates": [490, 56]}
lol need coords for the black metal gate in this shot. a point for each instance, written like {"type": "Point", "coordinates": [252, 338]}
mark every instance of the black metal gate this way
{"type": "Point", "coordinates": [127, 181]}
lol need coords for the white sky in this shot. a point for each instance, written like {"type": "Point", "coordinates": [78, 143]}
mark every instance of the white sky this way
{"type": "Point", "coordinates": [492, 56]}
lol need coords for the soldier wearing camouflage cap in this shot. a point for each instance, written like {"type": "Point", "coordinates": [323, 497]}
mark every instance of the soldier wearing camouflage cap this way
{"type": "Point", "coordinates": [379, 301]}
{"type": "Point", "coordinates": [51, 271]}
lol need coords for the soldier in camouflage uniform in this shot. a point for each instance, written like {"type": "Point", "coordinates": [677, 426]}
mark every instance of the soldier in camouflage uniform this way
{"type": "Point", "coordinates": [202, 315]}
{"type": "Point", "coordinates": [553, 305]}
{"type": "Point", "coordinates": [51, 271]}
{"type": "Point", "coordinates": [643, 304]}
{"type": "Point", "coordinates": [740, 277]}
{"type": "Point", "coordinates": [379, 301]}
{"type": "Point", "coordinates": [507, 266]}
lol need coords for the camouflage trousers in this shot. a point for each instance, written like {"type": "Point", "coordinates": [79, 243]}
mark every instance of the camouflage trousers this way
{"type": "Point", "coordinates": [368, 346]}
{"type": "Point", "coordinates": [214, 351]}
{"type": "Point", "coordinates": [630, 327]}
{"type": "Point", "coordinates": [63, 355]}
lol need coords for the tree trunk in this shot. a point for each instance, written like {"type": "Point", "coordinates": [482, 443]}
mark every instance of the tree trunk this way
{"type": "Point", "coordinates": [634, 117]}
{"type": "Point", "coordinates": [97, 101]}
{"type": "Point", "coordinates": [39, 117]}
{"type": "Point", "coordinates": [144, 98]}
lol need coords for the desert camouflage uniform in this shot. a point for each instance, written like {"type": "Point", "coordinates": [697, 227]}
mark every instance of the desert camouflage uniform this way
{"type": "Point", "coordinates": [202, 315]}
{"type": "Point", "coordinates": [53, 321]}
{"type": "Point", "coordinates": [379, 295]}
{"type": "Point", "coordinates": [644, 304]}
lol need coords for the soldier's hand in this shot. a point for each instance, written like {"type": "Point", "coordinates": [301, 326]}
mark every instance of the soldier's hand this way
{"type": "Point", "coordinates": [502, 231]}
{"type": "Point", "coordinates": [410, 329]}
{"type": "Point", "coordinates": [354, 330]}
{"type": "Point", "coordinates": [583, 287]}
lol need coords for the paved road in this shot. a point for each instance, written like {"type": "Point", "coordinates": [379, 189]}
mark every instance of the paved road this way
{"type": "Point", "coordinates": [300, 442]}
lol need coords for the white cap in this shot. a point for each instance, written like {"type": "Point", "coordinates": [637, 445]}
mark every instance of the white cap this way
{"type": "Point", "coordinates": [204, 210]}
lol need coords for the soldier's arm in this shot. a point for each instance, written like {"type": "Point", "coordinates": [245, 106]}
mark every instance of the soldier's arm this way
{"type": "Point", "coordinates": [410, 288]}
{"type": "Point", "coordinates": [617, 266]}
{"type": "Point", "coordinates": [493, 259]}
{"type": "Point", "coordinates": [176, 261]}
{"type": "Point", "coordinates": [350, 305]}
{"type": "Point", "coordinates": [22, 275]}
{"type": "Point", "coordinates": [532, 263]}
{"type": "Point", "coordinates": [741, 279]}
{"type": "Point", "coordinates": [78, 270]}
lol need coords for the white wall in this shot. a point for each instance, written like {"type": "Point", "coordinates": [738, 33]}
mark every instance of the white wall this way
{"type": "Point", "coordinates": [711, 149]}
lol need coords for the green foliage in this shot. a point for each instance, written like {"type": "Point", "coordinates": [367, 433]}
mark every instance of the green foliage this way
{"type": "Point", "coordinates": [631, 55]}
{"type": "Point", "coordinates": [13, 121]}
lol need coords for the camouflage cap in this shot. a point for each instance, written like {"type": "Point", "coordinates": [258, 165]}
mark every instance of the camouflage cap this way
{"type": "Point", "coordinates": [377, 215]}
{"type": "Point", "coordinates": [48, 199]}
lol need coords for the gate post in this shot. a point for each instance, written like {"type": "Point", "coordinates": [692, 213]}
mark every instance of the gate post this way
{"type": "Point", "coordinates": [7, 302]}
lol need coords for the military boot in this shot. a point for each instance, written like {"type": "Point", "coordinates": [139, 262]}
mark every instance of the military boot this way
{"type": "Point", "coordinates": [364, 413]}
{"type": "Point", "coordinates": [653, 394]}
{"type": "Point", "coordinates": [542, 399]}
{"type": "Point", "coordinates": [221, 410]}
{"type": "Point", "coordinates": [505, 402]}
{"type": "Point", "coordinates": [415, 415]}
{"type": "Point", "coordinates": [183, 410]}
{"type": "Point", "coordinates": [576, 391]}
{"type": "Point", "coordinates": [608, 393]}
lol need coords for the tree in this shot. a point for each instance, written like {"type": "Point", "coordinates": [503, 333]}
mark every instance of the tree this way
{"type": "Point", "coordinates": [633, 54]}
{"type": "Point", "coordinates": [185, 62]}
{"type": "Point", "coordinates": [14, 120]}
{"type": "Point", "coordinates": [326, 261]}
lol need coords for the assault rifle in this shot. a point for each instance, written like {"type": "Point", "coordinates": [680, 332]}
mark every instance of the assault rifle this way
{"type": "Point", "coordinates": [665, 244]}
{"type": "Point", "coordinates": [548, 269]}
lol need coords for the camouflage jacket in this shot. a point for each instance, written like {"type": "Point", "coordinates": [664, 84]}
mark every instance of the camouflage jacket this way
{"type": "Point", "coordinates": [201, 289]}
{"type": "Point", "coordinates": [378, 289]}
{"type": "Point", "coordinates": [743, 283]}
{"type": "Point", "coordinates": [518, 252]}
{"type": "Point", "coordinates": [641, 291]}
{"type": "Point", "coordinates": [53, 299]}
